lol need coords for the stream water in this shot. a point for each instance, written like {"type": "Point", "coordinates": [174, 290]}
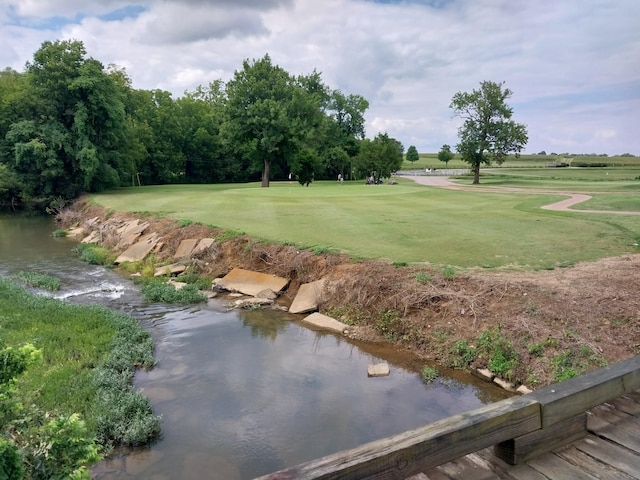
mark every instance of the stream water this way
{"type": "Point", "coordinates": [243, 393]}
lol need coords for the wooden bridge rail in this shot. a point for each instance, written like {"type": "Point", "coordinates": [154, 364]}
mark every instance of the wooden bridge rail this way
{"type": "Point", "coordinates": [520, 428]}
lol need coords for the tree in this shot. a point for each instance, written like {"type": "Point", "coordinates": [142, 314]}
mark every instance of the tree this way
{"type": "Point", "coordinates": [412, 154]}
{"type": "Point", "coordinates": [488, 134]}
{"type": "Point", "coordinates": [69, 135]}
{"type": "Point", "coordinates": [379, 157]}
{"type": "Point", "coordinates": [270, 115]}
{"type": "Point", "coordinates": [445, 155]}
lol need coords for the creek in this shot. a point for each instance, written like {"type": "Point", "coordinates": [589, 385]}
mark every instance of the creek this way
{"type": "Point", "coordinates": [243, 393]}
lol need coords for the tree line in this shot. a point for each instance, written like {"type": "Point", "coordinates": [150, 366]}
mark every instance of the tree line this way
{"type": "Point", "coordinates": [68, 125]}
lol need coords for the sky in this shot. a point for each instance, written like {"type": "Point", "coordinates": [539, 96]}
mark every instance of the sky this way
{"type": "Point", "coordinates": [573, 65]}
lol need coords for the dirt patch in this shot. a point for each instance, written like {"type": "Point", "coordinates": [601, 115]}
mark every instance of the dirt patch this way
{"type": "Point", "coordinates": [571, 318]}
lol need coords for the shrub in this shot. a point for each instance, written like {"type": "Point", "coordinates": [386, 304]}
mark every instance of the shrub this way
{"type": "Point", "coordinates": [463, 354]}
{"type": "Point", "coordinates": [59, 233]}
{"type": "Point", "coordinates": [95, 254]}
{"type": "Point", "coordinates": [502, 358]}
{"type": "Point", "coordinates": [10, 460]}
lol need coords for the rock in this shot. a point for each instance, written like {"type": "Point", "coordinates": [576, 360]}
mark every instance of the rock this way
{"type": "Point", "coordinates": [508, 386]}
{"type": "Point", "coordinates": [251, 283]}
{"type": "Point", "coordinates": [76, 232]}
{"type": "Point", "coordinates": [203, 245]}
{"type": "Point", "coordinates": [185, 248]}
{"type": "Point", "coordinates": [308, 297]}
{"type": "Point", "coordinates": [267, 293]}
{"type": "Point", "coordinates": [523, 390]}
{"type": "Point", "coordinates": [172, 269]}
{"type": "Point", "coordinates": [251, 302]}
{"type": "Point", "coordinates": [138, 250]}
{"type": "Point", "coordinates": [483, 373]}
{"type": "Point", "coordinates": [322, 321]}
{"type": "Point", "coordinates": [177, 285]}
{"type": "Point", "coordinates": [93, 237]}
{"type": "Point", "coordinates": [378, 370]}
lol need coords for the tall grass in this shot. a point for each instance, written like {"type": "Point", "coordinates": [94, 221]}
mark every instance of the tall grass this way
{"type": "Point", "coordinates": [89, 355]}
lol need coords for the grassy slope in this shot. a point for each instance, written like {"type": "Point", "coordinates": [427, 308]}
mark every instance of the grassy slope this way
{"type": "Point", "coordinates": [404, 223]}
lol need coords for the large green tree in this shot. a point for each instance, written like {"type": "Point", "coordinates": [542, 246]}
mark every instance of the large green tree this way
{"type": "Point", "coordinates": [270, 116]}
{"type": "Point", "coordinates": [68, 137]}
{"type": "Point", "coordinates": [487, 134]}
{"type": "Point", "coordinates": [380, 157]}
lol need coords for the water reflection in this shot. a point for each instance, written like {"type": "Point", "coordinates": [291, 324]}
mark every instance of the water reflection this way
{"type": "Point", "coordinates": [263, 323]}
{"type": "Point", "coordinates": [244, 393]}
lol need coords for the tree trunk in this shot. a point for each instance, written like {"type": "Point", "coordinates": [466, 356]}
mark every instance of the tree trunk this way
{"type": "Point", "coordinates": [476, 173]}
{"type": "Point", "coordinates": [265, 173]}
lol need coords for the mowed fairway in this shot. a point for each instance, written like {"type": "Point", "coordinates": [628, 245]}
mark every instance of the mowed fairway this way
{"type": "Point", "coordinates": [403, 223]}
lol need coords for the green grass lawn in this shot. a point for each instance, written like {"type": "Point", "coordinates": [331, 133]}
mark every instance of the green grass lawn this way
{"type": "Point", "coordinates": [403, 223]}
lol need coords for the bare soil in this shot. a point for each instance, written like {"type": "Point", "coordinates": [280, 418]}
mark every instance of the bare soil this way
{"type": "Point", "coordinates": [584, 315]}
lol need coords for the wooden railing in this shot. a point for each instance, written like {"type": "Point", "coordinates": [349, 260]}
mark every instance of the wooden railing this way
{"type": "Point", "coordinates": [519, 428]}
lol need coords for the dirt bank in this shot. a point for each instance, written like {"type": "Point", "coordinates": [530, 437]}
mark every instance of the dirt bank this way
{"type": "Point", "coordinates": [557, 322]}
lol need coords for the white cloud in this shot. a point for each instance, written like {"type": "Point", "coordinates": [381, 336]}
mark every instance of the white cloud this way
{"type": "Point", "coordinates": [572, 65]}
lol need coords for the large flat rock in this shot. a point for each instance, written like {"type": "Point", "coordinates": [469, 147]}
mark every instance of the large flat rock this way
{"type": "Point", "coordinates": [130, 232]}
{"type": "Point", "coordinates": [251, 283]}
{"type": "Point", "coordinates": [139, 250]}
{"type": "Point", "coordinates": [203, 245]}
{"type": "Point", "coordinates": [185, 248]}
{"type": "Point", "coordinates": [172, 269]}
{"type": "Point", "coordinates": [323, 321]}
{"type": "Point", "coordinates": [308, 297]}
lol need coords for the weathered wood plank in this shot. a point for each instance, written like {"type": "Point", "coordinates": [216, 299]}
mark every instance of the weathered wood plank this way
{"type": "Point", "coordinates": [520, 449]}
{"type": "Point", "coordinates": [607, 423]}
{"type": "Point", "coordinates": [590, 465]}
{"type": "Point", "coordinates": [555, 468]}
{"type": "Point", "coordinates": [626, 404]}
{"type": "Point", "coordinates": [610, 454]}
{"type": "Point", "coordinates": [571, 397]}
{"type": "Point", "coordinates": [415, 451]}
{"type": "Point", "coordinates": [465, 468]}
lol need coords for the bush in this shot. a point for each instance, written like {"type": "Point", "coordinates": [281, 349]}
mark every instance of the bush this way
{"type": "Point", "coordinates": [10, 460]}
{"type": "Point", "coordinates": [502, 358]}
{"type": "Point", "coordinates": [95, 254]}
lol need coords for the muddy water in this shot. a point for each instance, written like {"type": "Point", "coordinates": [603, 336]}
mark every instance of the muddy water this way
{"type": "Point", "coordinates": [243, 393]}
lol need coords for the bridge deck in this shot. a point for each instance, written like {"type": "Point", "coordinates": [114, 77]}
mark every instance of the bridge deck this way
{"type": "Point", "coordinates": [611, 450]}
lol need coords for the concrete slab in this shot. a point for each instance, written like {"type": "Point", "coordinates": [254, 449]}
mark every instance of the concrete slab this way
{"type": "Point", "coordinates": [172, 269]}
{"type": "Point", "coordinates": [323, 321]}
{"type": "Point", "coordinates": [76, 232]}
{"type": "Point", "coordinates": [203, 244]}
{"type": "Point", "coordinates": [308, 297]}
{"type": "Point", "coordinates": [185, 248]}
{"type": "Point", "coordinates": [130, 232]}
{"type": "Point", "coordinates": [93, 237]}
{"type": "Point", "coordinates": [378, 370]}
{"type": "Point", "coordinates": [138, 251]}
{"type": "Point", "coordinates": [251, 283]}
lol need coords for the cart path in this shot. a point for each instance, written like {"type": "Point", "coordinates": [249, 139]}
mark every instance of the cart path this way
{"type": "Point", "coordinates": [561, 206]}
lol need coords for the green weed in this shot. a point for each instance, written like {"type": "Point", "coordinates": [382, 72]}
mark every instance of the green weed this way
{"type": "Point", "coordinates": [95, 254]}
{"type": "Point", "coordinates": [429, 374]}
{"type": "Point", "coordinates": [39, 280]}
{"type": "Point", "coordinates": [155, 290]}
